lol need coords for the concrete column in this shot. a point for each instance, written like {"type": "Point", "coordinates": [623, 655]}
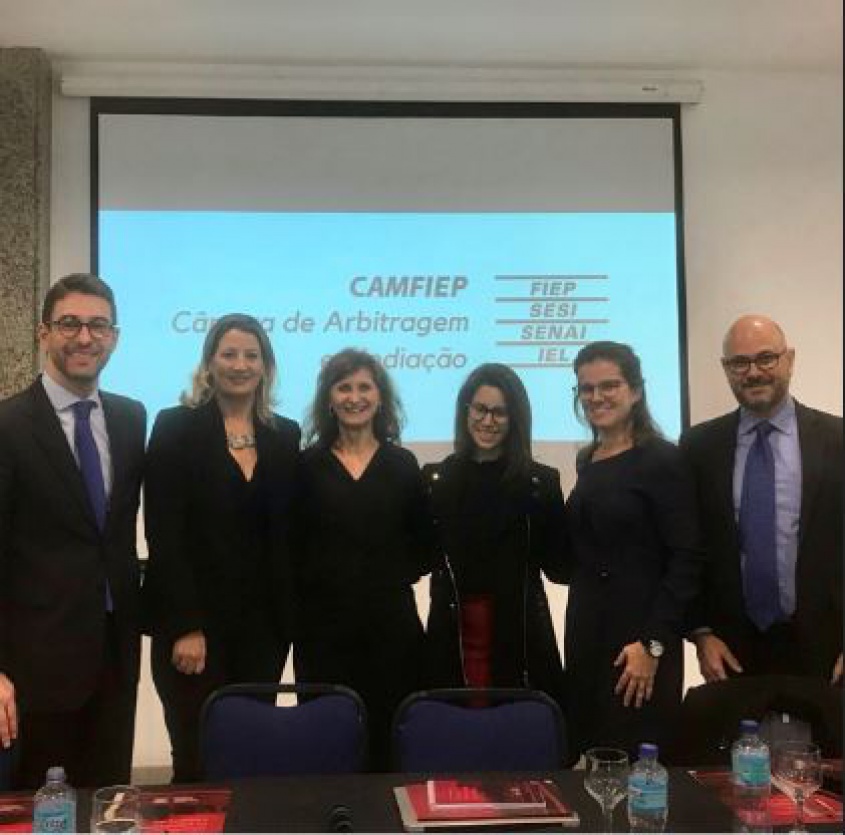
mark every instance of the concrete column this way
{"type": "Point", "coordinates": [25, 102]}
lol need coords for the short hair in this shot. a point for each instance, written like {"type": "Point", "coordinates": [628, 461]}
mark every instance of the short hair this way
{"type": "Point", "coordinates": [517, 443]}
{"type": "Point", "coordinates": [86, 283]}
{"type": "Point", "coordinates": [202, 388]}
{"type": "Point", "coordinates": [321, 427]}
{"type": "Point", "coordinates": [643, 425]}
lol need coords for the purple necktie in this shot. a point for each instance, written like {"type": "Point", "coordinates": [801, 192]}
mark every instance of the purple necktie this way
{"type": "Point", "coordinates": [89, 464]}
{"type": "Point", "coordinates": [757, 532]}
{"type": "Point", "coordinates": [89, 459]}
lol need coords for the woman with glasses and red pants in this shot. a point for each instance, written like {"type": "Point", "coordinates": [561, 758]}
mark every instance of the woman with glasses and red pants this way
{"type": "Point", "coordinates": [498, 521]}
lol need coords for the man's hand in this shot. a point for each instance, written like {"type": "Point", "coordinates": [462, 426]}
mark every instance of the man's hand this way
{"type": "Point", "coordinates": [637, 680]}
{"type": "Point", "coordinates": [836, 676]}
{"type": "Point", "coordinates": [713, 656]}
{"type": "Point", "coordinates": [8, 712]}
{"type": "Point", "coordinates": [189, 653]}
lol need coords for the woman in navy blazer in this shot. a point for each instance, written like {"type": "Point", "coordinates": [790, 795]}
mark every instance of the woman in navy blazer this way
{"type": "Point", "coordinates": [636, 561]}
{"type": "Point", "coordinates": [220, 474]}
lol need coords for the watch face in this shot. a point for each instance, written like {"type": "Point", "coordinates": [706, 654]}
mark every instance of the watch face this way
{"type": "Point", "coordinates": [654, 648]}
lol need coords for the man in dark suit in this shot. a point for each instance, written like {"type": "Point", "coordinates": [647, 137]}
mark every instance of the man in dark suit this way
{"type": "Point", "coordinates": [71, 460]}
{"type": "Point", "coordinates": [769, 479]}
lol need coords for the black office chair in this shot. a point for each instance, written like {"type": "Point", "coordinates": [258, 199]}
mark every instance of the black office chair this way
{"type": "Point", "coordinates": [243, 733]}
{"type": "Point", "coordinates": [711, 713]}
{"type": "Point", "coordinates": [447, 731]}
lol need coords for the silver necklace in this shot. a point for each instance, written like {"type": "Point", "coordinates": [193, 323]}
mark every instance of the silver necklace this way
{"type": "Point", "coordinates": [240, 441]}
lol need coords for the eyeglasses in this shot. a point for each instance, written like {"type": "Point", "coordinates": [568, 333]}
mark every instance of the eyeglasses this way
{"type": "Point", "coordinates": [70, 326]}
{"type": "Point", "coordinates": [740, 364]}
{"type": "Point", "coordinates": [478, 411]}
{"type": "Point", "coordinates": [586, 390]}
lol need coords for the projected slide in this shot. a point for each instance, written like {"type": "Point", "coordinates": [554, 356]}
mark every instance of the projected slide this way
{"type": "Point", "coordinates": [433, 294]}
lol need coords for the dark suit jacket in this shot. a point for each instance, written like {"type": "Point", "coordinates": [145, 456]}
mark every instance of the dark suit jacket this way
{"type": "Point", "coordinates": [710, 448]}
{"type": "Point", "coordinates": [199, 577]}
{"type": "Point", "coordinates": [54, 561]}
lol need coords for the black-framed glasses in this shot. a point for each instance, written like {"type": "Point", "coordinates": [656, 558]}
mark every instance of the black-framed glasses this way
{"type": "Point", "coordinates": [70, 326]}
{"type": "Point", "coordinates": [741, 364]}
{"type": "Point", "coordinates": [585, 390]}
{"type": "Point", "coordinates": [479, 411]}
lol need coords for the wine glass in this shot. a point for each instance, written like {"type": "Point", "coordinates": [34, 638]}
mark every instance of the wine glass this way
{"type": "Point", "coordinates": [607, 779]}
{"type": "Point", "coordinates": [116, 809]}
{"type": "Point", "coordinates": [797, 772]}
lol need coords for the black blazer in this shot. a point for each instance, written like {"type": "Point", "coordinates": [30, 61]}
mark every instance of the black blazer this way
{"type": "Point", "coordinates": [198, 575]}
{"type": "Point", "coordinates": [54, 561]}
{"type": "Point", "coordinates": [710, 448]}
{"type": "Point", "coordinates": [525, 651]}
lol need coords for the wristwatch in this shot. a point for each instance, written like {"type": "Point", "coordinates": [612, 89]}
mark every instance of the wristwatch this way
{"type": "Point", "coordinates": [653, 647]}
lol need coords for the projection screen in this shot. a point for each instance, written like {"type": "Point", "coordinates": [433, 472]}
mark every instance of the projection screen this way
{"type": "Point", "coordinates": [437, 236]}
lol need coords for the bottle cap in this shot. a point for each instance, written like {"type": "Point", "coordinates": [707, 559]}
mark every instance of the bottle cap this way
{"type": "Point", "coordinates": [648, 749]}
{"type": "Point", "coordinates": [56, 774]}
{"type": "Point", "coordinates": [749, 726]}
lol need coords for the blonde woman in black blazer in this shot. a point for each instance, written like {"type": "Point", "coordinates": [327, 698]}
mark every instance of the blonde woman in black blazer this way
{"type": "Point", "coordinates": [220, 473]}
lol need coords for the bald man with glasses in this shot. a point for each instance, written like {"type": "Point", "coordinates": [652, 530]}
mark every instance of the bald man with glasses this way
{"type": "Point", "coordinates": [769, 480]}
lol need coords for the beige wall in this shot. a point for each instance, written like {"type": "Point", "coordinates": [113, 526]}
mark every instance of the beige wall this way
{"type": "Point", "coordinates": [763, 181]}
{"type": "Point", "coordinates": [763, 194]}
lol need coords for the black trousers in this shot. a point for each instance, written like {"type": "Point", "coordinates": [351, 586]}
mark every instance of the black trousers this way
{"type": "Point", "coordinates": [248, 658]}
{"type": "Point", "coordinates": [94, 742]}
{"type": "Point", "coordinates": [376, 653]}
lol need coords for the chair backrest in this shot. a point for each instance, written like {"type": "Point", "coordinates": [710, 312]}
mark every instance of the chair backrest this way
{"type": "Point", "coordinates": [478, 729]}
{"type": "Point", "coordinates": [243, 733]}
{"type": "Point", "coordinates": [711, 713]}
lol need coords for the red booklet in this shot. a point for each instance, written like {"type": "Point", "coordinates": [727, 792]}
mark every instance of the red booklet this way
{"type": "Point", "coordinates": [482, 802]}
{"type": "Point", "coordinates": [822, 807]}
{"type": "Point", "coordinates": [489, 793]}
{"type": "Point", "coordinates": [184, 809]}
{"type": "Point", "coordinates": [16, 813]}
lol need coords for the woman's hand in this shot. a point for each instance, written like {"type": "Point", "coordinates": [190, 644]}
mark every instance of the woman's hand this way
{"type": "Point", "coordinates": [189, 653]}
{"type": "Point", "coordinates": [637, 680]}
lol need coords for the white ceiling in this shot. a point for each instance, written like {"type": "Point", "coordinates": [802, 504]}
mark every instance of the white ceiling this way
{"type": "Point", "coordinates": [676, 34]}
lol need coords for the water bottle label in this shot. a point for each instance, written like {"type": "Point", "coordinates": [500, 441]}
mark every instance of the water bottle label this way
{"type": "Point", "coordinates": [647, 796]}
{"type": "Point", "coordinates": [752, 769]}
{"type": "Point", "coordinates": [55, 817]}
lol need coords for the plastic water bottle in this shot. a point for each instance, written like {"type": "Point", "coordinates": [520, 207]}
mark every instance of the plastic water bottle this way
{"type": "Point", "coordinates": [54, 809]}
{"type": "Point", "coordinates": [648, 792]}
{"type": "Point", "coordinates": [752, 778]}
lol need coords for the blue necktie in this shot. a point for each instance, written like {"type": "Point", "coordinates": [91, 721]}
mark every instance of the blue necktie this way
{"type": "Point", "coordinates": [89, 464]}
{"type": "Point", "coordinates": [757, 532]}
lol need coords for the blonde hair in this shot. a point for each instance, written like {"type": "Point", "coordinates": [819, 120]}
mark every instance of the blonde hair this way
{"type": "Point", "coordinates": [202, 388]}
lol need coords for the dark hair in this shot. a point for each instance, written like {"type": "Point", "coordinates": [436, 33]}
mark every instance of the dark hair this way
{"type": "Point", "coordinates": [643, 426]}
{"type": "Point", "coordinates": [202, 389]}
{"type": "Point", "coordinates": [321, 425]}
{"type": "Point", "coordinates": [517, 444]}
{"type": "Point", "coordinates": [85, 283]}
